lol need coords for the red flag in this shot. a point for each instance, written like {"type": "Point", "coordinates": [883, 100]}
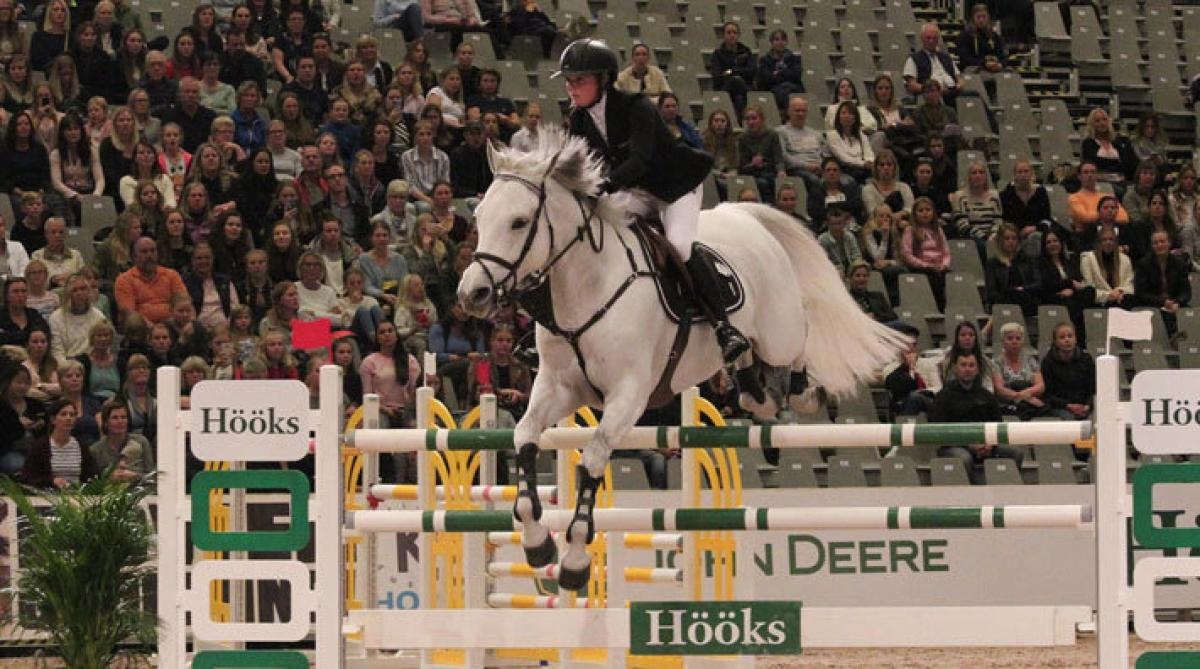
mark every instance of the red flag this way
{"type": "Point", "coordinates": [307, 335]}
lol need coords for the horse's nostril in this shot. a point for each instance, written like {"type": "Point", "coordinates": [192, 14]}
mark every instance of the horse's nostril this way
{"type": "Point", "coordinates": [480, 295]}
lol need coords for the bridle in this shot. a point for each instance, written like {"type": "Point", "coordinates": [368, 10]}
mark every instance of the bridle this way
{"type": "Point", "coordinates": [508, 289]}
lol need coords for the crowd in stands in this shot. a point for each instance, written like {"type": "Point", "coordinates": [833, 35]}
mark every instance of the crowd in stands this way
{"type": "Point", "coordinates": [347, 194]}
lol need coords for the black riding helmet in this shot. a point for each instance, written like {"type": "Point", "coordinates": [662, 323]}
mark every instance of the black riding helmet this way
{"type": "Point", "coordinates": [589, 56]}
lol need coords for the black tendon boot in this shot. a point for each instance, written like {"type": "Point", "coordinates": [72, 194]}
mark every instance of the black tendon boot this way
{"type": "Point", "coordinates": [539, 546]}
{"type": "Point", "coordinates": [706, 289]}
{"type": "Point", "coordinates": [576, 566]}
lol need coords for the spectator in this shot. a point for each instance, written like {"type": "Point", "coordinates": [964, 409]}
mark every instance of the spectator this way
{"type": "Point", "coordinates": [680, 129]}
{"type": "Point", "coordinates": [1150, 142]}
{"type": "Point", "coordinates": [257, 288]}
{"type": "Point", "coordinates": [871, 302]}
{"type": "Point", "coordinates": [527, 18]}
{"type": "Point", "coordinates": [458, 340]}
{"type": "Point", "coordinates": [382, 267]}
{"type": "Point", "coordinates": [415, 314]}
{"type": "Point", "coordinates": [41, 299]}
{"type": "Point", "coordinates": [109, 28]}
{"type": "Point", "coordinates": [58, 460]}
{"type": "Point", "coordinates": [425, 165]}
{"type": "Point", "coordinates": [147, 288]}
{"type": "Point", "coordinates": [830, 191]}
{"type": "Point", "coordinates": [185, 59]}
{"type": "Point", "coordinates": [976, 207]}
{"type": "Point", "coordinates": [204, 30]}
{"type": "Point", "coordinates": [12, 33]}
{"type": "Point", "coordinates": [1062, 280]}
{"type": "Point", "coordinates": [317, 299]}
{"type": "Point", "coordinates": [1137, 198]}
{"type": "Point", "coordinates": [641, 76]}
{"type": "Point", "coordinates": [162, 91]}
{"type": "Point", "coordinates": [22, 418]}
{"type": "Point", "coordinates": [1070, 376]}
{"type": "Point", "coordinates": [113, 254]}
{"type": "Point", "coordinates": [230, 246]}
{"type": "Point", "coordinates": [147, 166]}
{"type": "Point", "coordinates": [908, 387]}
{"type": "Point", "coordinates": [101, 371]}
{"type": "Point", "coordinates": [487, 100]}
{"type": "Point", "coordinates": [137, 394]}
{"type": "Point", "coordinates": [392, 373]}
{"type": "Point", "coordinates": [398, 215]}
{"type": "Point", "coordinates": [964, 399]}
{"type": "Point", "coordinates": [1161, 280]}
{"type": "Point", "coordinates": [411, 96]}
{"type": "Point", "coordinates": [26, 164]}
{"type": "Point", "coordinates": [213, 295]}
{"type": "Point", "coordinates": [241, 62]}
{"type": "Point", "coordinates": [803, 148]}
{"type": "Point", "coordinates": [925, 250]}
{"type": "Point", "coordinates": [1157, 218]}
{"type": "Point", "coordinates": [71, 323]}
{"type": "Point", "coordinates": [86, 429]}
{"type": "Point", "coordinates": [526, 139]}
{"type": "Point", "coordinates": [1183, 198]}
{"type": "Point", "coordinates": [95, 69]}
{"type": "Point", "coordinates": [128, 454]}
{"type": "Point", "coordinates": [897, 129]}
{"type": "Point", "coordinates": [502, 375]}
{"type": "Point", "coordinates": [283, 254]}
{"type": "Point", "coordinates": [174, 243]}
{"type": "Point", "coordinates": [51, 38]}
{"type": "Point", "coordinates": [1112, 153]}
{"type": "Point", "coordinates": [173, 160]}
{"type": "Point", "coordinates": [469, 169]}
{"type": "Point", "coordinates": [353, 214]}
{"type": "Point", "coordinates": [194, 119]}
{"type": "Point", "coordinates": [60, 260]}
{"type": "Point", "coordinates": [721, 143]}
{"type": "Point", "coordinates": [848, 143]}
{"type": "Point", "coordinates": [64, 84]}
{"type": "Point", "coordinates": [131, 62]}
{"type": "Point", "coordinates": [930, 63]}
{"type": "Point", "coordinates": [17, 320]}
{"type": "Point", "coordinates": [18, 84]}
{"type": "Point", "coordinates": [297, 129]}
{"type": "Point", "coordinates": [937, 118]}
{"type": "Point", "coordinates": [786, 199]}
{"type": "Point", "coordinates": [75, 164]}
{"type": "Point", "coordinates": [1026, 205]}
{"type": "Point", "coordinates": [249, 126]}
{"type": "Point", "coordinates": [1011, 276]}
{"type": "Point", "coordinates": [402, 14]}
{"type": "Point", "coordinates": [453, 16]}
{"type": "Point", "coordinates": [846, 91]}
{"type": "Point", "coordinates": [944, 170]}
{"type": "Point", "coordinates": [1084, 203]}
{"type": "Point", "coordinates": [885, 187]}
{"type": "Point", "coordinates": [839, 244]}
{"type": "Point", "coordinates": [360, 311]}
{"type": "Point", "coordinates": [760, 154]}
{"type": "Point", "coordinates": [780, 71]}
{"type": "Point", "coordinates": [1109, 271]}
{"type": "Point", "coordinates": [981, 49]}
{"type": "Point", "coordinates": [879, 240]}
{"type": "Point", "coordinates": [42, 366]}
{"type": "Point", "coordinates": [733, 67]}
{"type": "Point", "coordinates": [417, 56]}
{"type": "Point", "coordinates": [431, 256]}
{"type": "Point", "coordinates": [337, 254]}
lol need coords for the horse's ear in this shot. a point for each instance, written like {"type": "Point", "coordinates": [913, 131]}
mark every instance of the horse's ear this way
{"type": "Point", "coordinates": [491, 156]}
{"type": "Point", "coordinates": [570, 169]}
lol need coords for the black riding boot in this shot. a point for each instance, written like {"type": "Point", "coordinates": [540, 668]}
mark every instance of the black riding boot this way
{"type": "Point", "coordinates": [706, 289]}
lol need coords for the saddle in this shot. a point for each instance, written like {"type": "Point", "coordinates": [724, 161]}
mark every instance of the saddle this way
{"type": "Point", "coordinates": [675, 293]}
{"type": "Point", "coordinates": [671, 279]}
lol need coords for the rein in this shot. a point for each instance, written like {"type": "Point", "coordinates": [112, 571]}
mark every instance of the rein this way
{"type": "Point", "coordinates": [533, 292]}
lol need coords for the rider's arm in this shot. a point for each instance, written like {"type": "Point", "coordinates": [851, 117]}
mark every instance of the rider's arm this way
{"type": "Point", "coordinates": [642, 120]}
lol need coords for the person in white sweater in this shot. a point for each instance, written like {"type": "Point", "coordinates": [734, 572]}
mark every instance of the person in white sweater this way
{"type": "Point", "coordinates": [1109, 271]}
{"type": "Point", "coordinates": [71, 323]}
{"type": "Point", "coordinates": [317, 300]}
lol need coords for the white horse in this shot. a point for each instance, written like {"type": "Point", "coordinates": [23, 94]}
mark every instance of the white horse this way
{"type": "Point", "coordinates": [547, 242]}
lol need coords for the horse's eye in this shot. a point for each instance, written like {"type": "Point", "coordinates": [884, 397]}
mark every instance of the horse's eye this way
{"type": "Point", "coordinates": [519, 223]}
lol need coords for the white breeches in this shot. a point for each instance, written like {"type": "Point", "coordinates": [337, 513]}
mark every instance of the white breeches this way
{"type": "Point", "coordinates": [679, 218]}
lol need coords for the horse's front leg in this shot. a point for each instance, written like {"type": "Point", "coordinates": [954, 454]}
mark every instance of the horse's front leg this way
{"type": "Point", "coordinates": [621, 410]}
{"type": "Point", "coordinates": [549, 401]}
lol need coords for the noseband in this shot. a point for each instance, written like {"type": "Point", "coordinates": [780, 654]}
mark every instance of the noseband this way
{"type": "Point", "coordinates": [509, 289]}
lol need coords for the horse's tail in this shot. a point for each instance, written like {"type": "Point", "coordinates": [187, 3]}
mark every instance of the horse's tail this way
{"type": "Point", "coordinates": [845, 346]}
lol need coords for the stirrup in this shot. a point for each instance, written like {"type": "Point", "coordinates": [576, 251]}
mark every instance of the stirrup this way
{"type": "Point", "coordinates": [732, 342]}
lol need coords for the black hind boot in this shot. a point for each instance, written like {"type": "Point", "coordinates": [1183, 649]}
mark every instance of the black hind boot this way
{"type": "Point", "coordinates": [706, 290]}
{"type": "Point", "coordinates": [540, 549]}
{"type": "Point", "coordinates": [576, 566]}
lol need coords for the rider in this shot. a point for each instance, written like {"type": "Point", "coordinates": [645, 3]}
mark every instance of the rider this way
{"type": "Point", "coordinates": [646, 162]}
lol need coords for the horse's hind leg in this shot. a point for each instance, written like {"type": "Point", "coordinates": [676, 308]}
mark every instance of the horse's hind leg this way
{"type": "Point", "coordinates": [803, 395]}
{"type": "Point", "coordinates": [752, 391]}
{"type": "Point", "coordinates": [548, 402]}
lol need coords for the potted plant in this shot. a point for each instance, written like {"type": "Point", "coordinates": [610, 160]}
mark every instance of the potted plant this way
{"type": "Point", "coordinates": [83, 562]}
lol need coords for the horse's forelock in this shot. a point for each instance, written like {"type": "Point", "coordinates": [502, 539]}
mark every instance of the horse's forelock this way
{"type": "Point", "coordinates": [575, 167]}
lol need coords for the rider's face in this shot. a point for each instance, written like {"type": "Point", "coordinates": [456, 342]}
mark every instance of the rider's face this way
{"type": "Point", "coordinates": [583, 89]}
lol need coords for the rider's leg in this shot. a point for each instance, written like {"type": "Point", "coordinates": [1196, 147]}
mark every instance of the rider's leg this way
{"type": "Point", "coordinates": [680, 220]}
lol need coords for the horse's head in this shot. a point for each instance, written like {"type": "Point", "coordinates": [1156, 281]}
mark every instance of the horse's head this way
{"type": "Point", "coordinates": [529, 217]}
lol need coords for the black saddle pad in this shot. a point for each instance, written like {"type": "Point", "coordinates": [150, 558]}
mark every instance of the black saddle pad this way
{"type": "Point", "coordinates": [669, 281]}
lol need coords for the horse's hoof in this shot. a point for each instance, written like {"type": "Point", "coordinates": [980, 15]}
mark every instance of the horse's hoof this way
{"type": "Point", "coordinates": [574, 579]}
{"type": "Point", "coordinates": [767, 410]}
{"type": "Point", "coordinates": [807, 402]}
{"type": "Point", "coordinates": [542, 554]}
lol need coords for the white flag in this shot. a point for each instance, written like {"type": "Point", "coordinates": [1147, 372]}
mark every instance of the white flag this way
{"type": "Point", "coordinates": [1130, 325]}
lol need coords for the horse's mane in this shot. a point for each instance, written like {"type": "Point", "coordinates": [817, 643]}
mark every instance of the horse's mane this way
{"type": "Point", "coordinates": [577, 168]}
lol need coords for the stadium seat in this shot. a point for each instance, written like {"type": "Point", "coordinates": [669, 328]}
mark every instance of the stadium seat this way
{"type": "Point", "coordinates": [1049, 28]}
{"type": "Point", "coordinates": [795, 472]}
{"type": "Point", "coordinates": [898, 471]}
{"type": "Point", "coordinates": [917, 296]}
{"type": "Point", "coordinates": [97, 213]}
{"type": "Point", "coordinates": [845, 472]}
{"type": "Point", "coordinates": [629, 474]}
{"type": "Point", "coordinates": [962, 295]}
{"type": "Point", "coordinates": [738, 183]}
{"type": "Point", "coordinates": [1055, 470]}
{"type": "Point", "coordinates": [917, 320]}
{"type": "Point", "coordinates": [1002, 471]}
{"type": "Point", "coordinates": [964, 258]}
{"type": "Point", "coordinates": [947, 472]}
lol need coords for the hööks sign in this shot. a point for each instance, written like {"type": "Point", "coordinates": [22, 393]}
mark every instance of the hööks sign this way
{"type": "Point", "coordinates": [250, 420]}
{"type": "Point", "coordinates": [715, 628]}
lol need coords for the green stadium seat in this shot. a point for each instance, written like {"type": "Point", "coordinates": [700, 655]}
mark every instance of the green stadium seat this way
{"type": "Point", "coordinates": [846, 472]}
{"type": "Point", "coordinates": [898, 471]}
{"type": "Point", "coordinates": [1002, 471]}
{"type": "Point", "coordinates": [947, 472]}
